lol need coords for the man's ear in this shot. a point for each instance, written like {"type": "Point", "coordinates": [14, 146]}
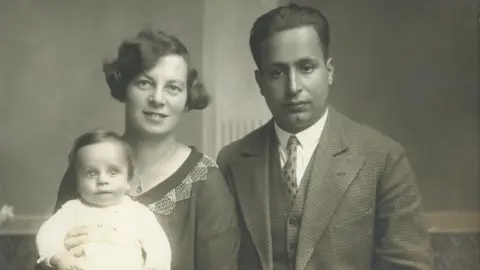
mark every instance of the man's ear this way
{"type": "Point", "coordinates": [258, 79]}
{"type": "Point", "coordinates": [331, 70]}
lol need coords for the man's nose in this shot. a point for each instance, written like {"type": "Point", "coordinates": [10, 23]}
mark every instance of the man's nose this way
{"type": "Point", "coordinates": [293, 85]}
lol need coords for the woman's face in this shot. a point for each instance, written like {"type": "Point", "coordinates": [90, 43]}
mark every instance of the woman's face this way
{"type": "Point", "coordinates": [155, 100]}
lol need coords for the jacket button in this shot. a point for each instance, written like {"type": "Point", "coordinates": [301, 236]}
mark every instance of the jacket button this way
{"type": "Point", "coordinates": [293, 221]}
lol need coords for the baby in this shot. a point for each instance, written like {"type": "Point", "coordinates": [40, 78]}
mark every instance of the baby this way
{"type": "Point", "coordinates": [129, 236]}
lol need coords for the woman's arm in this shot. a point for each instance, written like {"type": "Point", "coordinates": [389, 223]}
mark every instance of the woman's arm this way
{"type": "Point", "coordinates": [217, 231]}
{"type": "Point", "coordinates": [67, 190]}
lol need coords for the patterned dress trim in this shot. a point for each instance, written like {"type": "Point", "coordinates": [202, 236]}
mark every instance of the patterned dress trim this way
{"type": "Point", "coordinates": [166, 204]}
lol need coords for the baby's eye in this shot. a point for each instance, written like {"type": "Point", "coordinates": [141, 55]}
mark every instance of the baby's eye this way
{"type": "Point", "coordinates": [91, 173]}
{"type": "Point", "coordinates": [114, 172]}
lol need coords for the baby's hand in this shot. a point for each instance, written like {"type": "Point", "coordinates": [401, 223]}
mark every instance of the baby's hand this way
{"type": "Point", "coordinates": [65, 261]}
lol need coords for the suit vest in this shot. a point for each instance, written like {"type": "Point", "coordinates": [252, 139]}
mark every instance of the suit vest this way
{"type": "Point", "coordinates": [285, 219]}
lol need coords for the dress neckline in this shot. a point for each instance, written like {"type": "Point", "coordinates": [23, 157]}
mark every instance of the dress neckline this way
{"type": "Point", "coordinates": [161, 189]}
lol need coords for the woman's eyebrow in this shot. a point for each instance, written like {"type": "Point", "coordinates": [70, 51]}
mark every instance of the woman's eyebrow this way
{"type": "Point", "coordinates": [181, 82]}
{"type": "Point", "coordinates": [146, 76]}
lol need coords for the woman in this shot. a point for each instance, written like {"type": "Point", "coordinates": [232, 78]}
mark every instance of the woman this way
{"type": "Point", "coordinates": [153, 78]}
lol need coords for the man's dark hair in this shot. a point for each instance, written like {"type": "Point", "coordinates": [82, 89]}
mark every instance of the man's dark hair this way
{"type": "Point", "coordinates": [288, 17]}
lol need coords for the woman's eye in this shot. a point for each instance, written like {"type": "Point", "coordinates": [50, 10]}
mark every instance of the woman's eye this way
{"type": "Point", "coordinates": [174, 88]}
{"type": "Point", "coordinates": [143, 84]}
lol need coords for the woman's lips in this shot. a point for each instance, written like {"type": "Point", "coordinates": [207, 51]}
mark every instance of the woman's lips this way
{"type": "Point", "coordinates": [154, 116]}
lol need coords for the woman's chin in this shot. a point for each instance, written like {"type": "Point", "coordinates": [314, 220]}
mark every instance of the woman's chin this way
{"type": "Point", "coordinates": [155, 130]}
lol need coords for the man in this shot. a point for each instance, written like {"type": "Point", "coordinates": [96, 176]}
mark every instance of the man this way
{"type": "Point", "coordinates": [314, 189]}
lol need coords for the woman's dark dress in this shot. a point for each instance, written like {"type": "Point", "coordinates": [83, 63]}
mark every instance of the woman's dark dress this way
{"type": "Point", "coordinates": [196, 210]}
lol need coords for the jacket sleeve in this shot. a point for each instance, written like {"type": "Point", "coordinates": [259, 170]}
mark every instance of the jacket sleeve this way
{"type": "Point", "coordinates": [402, 239]}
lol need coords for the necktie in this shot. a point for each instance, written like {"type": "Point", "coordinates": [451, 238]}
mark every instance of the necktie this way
{"type": "Point", "coordinates": [290, 167]}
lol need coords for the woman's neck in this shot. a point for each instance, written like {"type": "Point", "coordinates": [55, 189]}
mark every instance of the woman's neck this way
{"type": "Point", "coordinates": [150, 151]}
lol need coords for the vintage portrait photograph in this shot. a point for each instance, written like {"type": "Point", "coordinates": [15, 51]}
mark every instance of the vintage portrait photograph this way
{"type": "Point", "coordinates": [239, 135]}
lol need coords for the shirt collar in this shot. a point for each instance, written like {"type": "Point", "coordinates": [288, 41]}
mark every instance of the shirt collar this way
{"type": "Point", "coordinates": [307, 138]}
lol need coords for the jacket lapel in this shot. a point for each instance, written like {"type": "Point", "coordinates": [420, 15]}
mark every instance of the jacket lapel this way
{"type": "Point", "coordinates": [250, 171]}
{"type": "Point", "coordinates": [333, 171]}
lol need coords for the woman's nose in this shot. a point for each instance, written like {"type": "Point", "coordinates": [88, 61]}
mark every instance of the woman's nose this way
{"type": "Point", "coordinates": [156, 98]}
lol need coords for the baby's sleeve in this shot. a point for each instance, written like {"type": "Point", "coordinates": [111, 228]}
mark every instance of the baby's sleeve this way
{"type": "Point", "coordinates": [158, 253]}
{"type": "Point", "coordinates": [50, 237]}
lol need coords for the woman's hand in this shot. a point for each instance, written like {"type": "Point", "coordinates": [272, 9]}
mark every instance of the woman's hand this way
{"type": "Point", "coordinates": [65, 261]}
{"type": "Point", "coordinates": [76, 238]}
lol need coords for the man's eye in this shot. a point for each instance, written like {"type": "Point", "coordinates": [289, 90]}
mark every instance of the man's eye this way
{"type": "Point", "coordinates": [276, 73]}
{"type": "Point", "coordinates": [307, 68]}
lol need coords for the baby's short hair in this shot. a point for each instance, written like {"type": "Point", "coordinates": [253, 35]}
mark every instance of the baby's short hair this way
{"type": "Point", "coordinates": [99, 136]}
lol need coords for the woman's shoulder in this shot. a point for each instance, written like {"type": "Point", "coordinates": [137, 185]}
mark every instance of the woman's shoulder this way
{"type": "Point", "coordinates": [198, 170]}
{"type": "Point", "coordinates": [206, 169]}
{"type": "Point", "coordinates": [207, 177]}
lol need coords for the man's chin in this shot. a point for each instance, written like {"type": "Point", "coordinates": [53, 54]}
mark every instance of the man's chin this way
{"type": "Point", "coordinates": [298, 122]}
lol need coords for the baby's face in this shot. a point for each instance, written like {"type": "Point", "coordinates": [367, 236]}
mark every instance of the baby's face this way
{"type": "Point", "coordinates": [102, 173]}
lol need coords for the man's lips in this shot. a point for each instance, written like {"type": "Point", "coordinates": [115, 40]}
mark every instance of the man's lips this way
{"type": "Point", "coordinates": [296, 104]}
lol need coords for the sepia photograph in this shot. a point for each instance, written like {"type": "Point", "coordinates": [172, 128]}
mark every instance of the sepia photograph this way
{"type": "Point", "coordinates": [239, 135]}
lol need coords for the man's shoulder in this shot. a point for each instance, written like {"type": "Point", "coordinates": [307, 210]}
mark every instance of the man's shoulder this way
{"type": "Point", "coordinates": [363, 137]}
{"type": "Point", "coordinates": [236, 147]}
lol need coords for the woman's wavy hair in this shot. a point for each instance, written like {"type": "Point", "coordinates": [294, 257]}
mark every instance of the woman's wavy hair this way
{"type": "Point", "coordinates": [140, 54]}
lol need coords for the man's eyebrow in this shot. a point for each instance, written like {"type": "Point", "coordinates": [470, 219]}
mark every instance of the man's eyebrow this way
{"type": "Point", "coordinates": [305, 60]}
{"type": "Point", "coordinates": [277, 64]}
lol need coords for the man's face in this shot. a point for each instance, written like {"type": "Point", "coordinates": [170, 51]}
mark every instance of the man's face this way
{"type": "Point", "coordinates": [294, 77]}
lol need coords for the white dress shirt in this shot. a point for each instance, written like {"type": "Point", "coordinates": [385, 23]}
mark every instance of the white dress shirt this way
{"type": "Point", "coordinates": [308, 139]}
